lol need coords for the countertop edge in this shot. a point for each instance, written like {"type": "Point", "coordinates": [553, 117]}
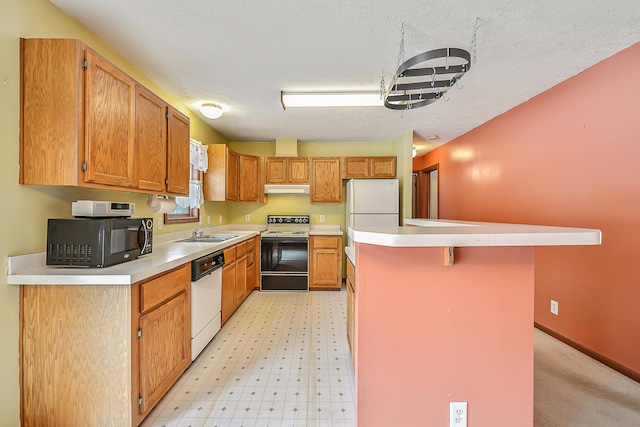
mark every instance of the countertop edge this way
{"type": "Point", "coordinates": [165, 256]}
{"type": "Point", "coordinates": [445, 233]}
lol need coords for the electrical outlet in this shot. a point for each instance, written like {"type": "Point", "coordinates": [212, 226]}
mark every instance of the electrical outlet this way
{"type": "Point", "coordinates": [321, 218]}
{"type": "Point", "coordinates": [208, 219]}
{"type": "Point", "coordinates": [554, 307]}
{"type": "Point", "coordinates": [247, 218]}
{"type": "Point", "coordinates": [220, 219]}
{"type": "Point", "coordinates": [159, 222]}
{"type": "Point", "coordinates": [458, 414]}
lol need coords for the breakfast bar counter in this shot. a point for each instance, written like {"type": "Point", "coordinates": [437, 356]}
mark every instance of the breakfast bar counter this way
{"type": "Point", "coordinates": [444, 313]}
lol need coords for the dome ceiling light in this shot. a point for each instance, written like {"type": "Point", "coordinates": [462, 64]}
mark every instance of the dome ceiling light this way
{"type": "Point", "coordinates": [211, 110]}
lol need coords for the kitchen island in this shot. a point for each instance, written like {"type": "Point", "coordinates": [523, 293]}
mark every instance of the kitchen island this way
{"type": "Point", "coordinates": [444, 313]}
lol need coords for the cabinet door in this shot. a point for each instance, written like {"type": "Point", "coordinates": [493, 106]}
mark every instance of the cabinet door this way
{"type": "Point", "coordinates": [355, 167]}
{"type": "Point", "coordinates": [298, 170]}
{"type": "Point", "coordinates": [178, 167]}
{"type": "Point", "coordinates": [326, 182]}
{"type": "Point", "coordinates": [228, 290]}
{"type": "Point", "coordinates": [326, 262]}
{"type": "Point", "coordinates": [215, 178]}
{"type": "Point", "coordinates": [351, 309]}
{"type": "Point", "coordinates": [109, 123]}
{"type": "Point", "coordinates": [231, 182]}
{"type": "Point", "coordinates": [151, 141]}
{"type": "Point", "coordinates": [249, 179]}
{"type": "Point", "coordinates": [351, 305]}
{"type": "Point", "coordinates": [165, 348]}
{"type": "Point", "coordinates": [276, 170]}
{"type": "Point", "coordinates": [52, 111]}
{"type": "Point", "coordinates": [241, 280]}
{"type": "Point", "coordinates": [383, 167]}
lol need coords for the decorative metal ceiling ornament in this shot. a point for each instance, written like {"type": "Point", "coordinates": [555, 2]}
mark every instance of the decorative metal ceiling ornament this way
{"type": "Point", "coordinates": [426, 77]}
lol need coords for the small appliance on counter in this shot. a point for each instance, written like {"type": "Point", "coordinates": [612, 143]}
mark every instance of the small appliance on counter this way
{"type": "Point", "coordinates": [100, 209]}
{"type": "Point", "coordinates": [97, 242]}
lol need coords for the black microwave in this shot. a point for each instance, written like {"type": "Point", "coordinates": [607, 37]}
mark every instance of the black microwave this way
{"type": "Point", "coordinates": [97, 242]}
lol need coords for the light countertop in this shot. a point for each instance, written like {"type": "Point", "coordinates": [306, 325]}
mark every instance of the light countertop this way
{"type": "Point", "coordinates": [450, 233]}
{"type": "Point", "coordinates": [350, 252]}
{"type": "Point", "coordinates": [167, 254]}
{"type": "Point", "coordinates": [325, 230]}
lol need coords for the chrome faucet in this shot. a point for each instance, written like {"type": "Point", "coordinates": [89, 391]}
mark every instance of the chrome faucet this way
{"type": "Point", "coordinates": [199, 231]}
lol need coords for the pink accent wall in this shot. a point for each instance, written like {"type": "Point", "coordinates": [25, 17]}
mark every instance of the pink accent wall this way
{"type": "Point", "coordinates": [428, 335]}
{"type": "Point", "coordinates": [568, 157]}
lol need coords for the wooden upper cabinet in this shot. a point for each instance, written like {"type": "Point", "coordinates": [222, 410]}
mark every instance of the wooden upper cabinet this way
{"type": "Point", "coordinates": [249, 178]}
{"type": "Point", "coordinates": [233, 176]}
{"type": "Point", "coordinates": [326, 182]}
{"type": "Point", "coordinates": [109, 123]}
{"type": "Point", "coordinates": [178, 166]}
{"type": "Point", "coordinates": [276, 170]}
{"type": "Point", "coordinates": [383, 167]}
{"type": "Point", "coordinates": [151, 137]}
{"type": "Point", "coordinates": [51, 111]}
{"type": "Point", "coordinates": [355, 167]}
{"type": "Point", "coordinates": [287, 170]}
{"type": "Point", "coordinates": [84, 122]}
{"type": "Point", "coordinates": [232, 181]}
{"type": "Point", "coordinates": [220, 182]}
{"type": "Point", "coordinates": [369, 167]}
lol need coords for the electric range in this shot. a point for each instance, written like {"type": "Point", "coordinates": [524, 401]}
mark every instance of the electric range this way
{"type": "Point", "coordinates": [284, 253]}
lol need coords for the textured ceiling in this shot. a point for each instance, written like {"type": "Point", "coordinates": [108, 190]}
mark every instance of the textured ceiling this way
{"type": "Point", "coordinates": [241, 54]}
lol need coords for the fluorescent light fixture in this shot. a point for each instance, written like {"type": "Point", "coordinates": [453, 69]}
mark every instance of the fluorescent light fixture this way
{"type": "Point", "coordinates": [211, 111]}
{"type": "Point", "coordinates": [330, 99]}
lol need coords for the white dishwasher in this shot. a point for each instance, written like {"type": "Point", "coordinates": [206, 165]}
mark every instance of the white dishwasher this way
{"type": "Point", "coordinates": [206, 300]}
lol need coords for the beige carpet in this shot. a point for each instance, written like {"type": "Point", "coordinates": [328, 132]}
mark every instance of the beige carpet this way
{"type": "Point", "coordinates": [574, 390]}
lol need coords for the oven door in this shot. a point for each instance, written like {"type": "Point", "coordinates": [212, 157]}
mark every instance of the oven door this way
{"type": "Point", "coordinates": [284, 264]}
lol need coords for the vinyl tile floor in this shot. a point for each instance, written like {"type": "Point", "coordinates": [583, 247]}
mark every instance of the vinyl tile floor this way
{"type": "Point", "coordinates": [281, 360]}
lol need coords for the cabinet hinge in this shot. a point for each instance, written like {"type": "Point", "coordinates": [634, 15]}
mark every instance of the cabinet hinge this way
{"type": "Point", "coordinates": [166, 181]}
{"type": "Point", "coordinates": [139, 401]}
{"type": "Point", "coordinates": [139, 334]}
{"type": "Point", "coordinates": [84, 166]}
{"type": "Point", "coordinates": [85, 64]}
{"type": "Point", "coordinates": [166, 115]}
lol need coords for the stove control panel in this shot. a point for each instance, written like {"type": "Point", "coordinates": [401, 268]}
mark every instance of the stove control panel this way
{"type": "Point", "coordinates": [288, 219]}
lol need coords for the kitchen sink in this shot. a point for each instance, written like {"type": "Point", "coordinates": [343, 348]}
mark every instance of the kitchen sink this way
{"type": "Point", "coordinates": [209, 238]}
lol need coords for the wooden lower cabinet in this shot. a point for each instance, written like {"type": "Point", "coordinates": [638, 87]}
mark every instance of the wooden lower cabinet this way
{"type": "Point", "coordinates": [81, 361]}
{"type": "Point", "coordinates": [325, 263]}
{"type": "Point", "coordinates": [163, 335]}
{"type": "Point", "coordinates": [239, 276]}
{"type": "Point", "coordinates": [228, 283]}
{"type": "Point", "coordinates": [351, 309]}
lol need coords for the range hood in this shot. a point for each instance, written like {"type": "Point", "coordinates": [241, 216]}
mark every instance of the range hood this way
{"type": "Point", "coordinates": [286, 189]}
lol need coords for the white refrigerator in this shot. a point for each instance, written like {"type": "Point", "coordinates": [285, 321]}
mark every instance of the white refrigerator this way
{"type": "Point", "coordinates": [372, 203]}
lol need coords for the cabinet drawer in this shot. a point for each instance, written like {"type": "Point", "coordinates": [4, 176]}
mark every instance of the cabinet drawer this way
{"type": "Point", "coordinates": [241, 249]}
{"type": "Point", "coordinates": [251, 245]}
{"type": "Point", "coordinates": [329, 242]}
{"type": "Point", "coordinates": [351, 274]}
{"type": "Point", "coordinates": [230, 255]}
{"type": "Point", "coordinates": [162, 288]}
